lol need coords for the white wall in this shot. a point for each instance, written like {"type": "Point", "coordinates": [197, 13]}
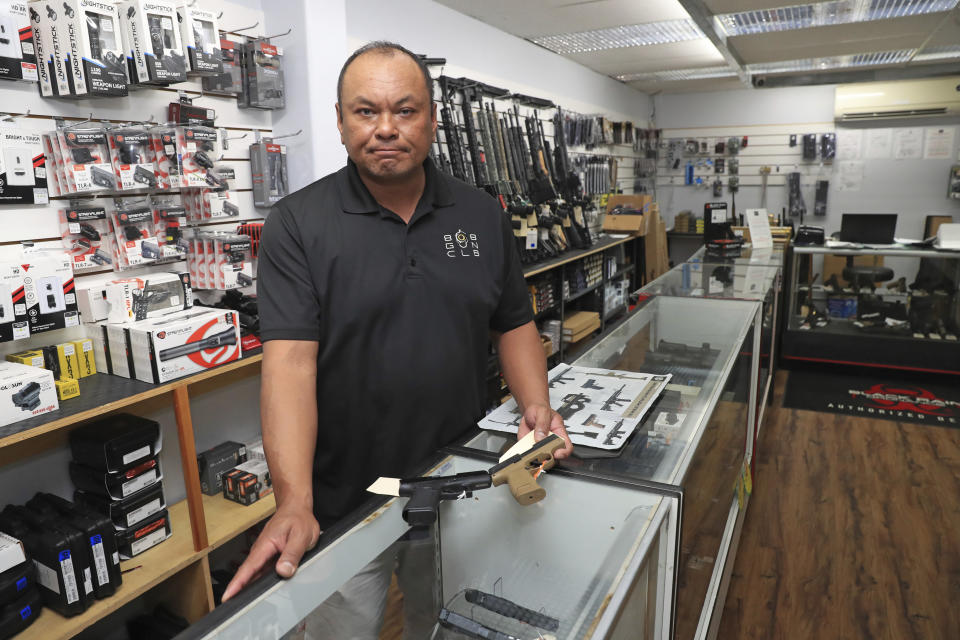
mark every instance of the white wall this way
{"type": "Point", "coordinates": [911, 188]}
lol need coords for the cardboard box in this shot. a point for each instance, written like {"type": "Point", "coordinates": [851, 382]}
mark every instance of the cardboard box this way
{"type": "Point", "coordinates": [152, 42]}
{"type": "Point", "coordinates": [97, 334]}
{"type": "Point", "coordinates": [52, 48]}
{"type": "Point", "coordinates": [25, 392]}
{"type": "Point", "coordinates": [86, 360]}
{"type": "Point", "coordinates": [630, 223]}
{"type": "Point", "coordinates": [32, 358]}
{"type": "Point", "coordinates": [200, 35]}
{"type": "Point", "coordinates": [132, 299]}
{"type": "Point", "coordinates": [67, 388]}
{"type": "Point", "coordinates": [11, 552]}
{"type": "Point", "coordinates": [67, 358]}
{"type": "Point", "coordinates": [18, 59]}
{"type": "Point", "coordinates": [215, 462]}
{"type": "Point", "coordinates": [23, 172]}
{"type": "Point", "coordinates": [42, 294]}
{"type": "Point", "coordinates": [183, 343]}
{"type": "Point", "coordinates": [97, 65]}
{"type": "Point", "coordinates": [260, 469]}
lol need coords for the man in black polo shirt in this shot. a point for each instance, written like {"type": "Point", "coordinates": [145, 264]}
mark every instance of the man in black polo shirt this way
{"type": "Point", "coordinates": [380, 286]}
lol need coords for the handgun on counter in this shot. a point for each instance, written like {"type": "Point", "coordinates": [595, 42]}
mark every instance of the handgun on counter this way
{"type": "Point", "coordinates": [517, 470]}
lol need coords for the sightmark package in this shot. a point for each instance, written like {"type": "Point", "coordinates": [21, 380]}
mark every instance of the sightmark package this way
{"type": "Point", "coordinates": [18, 60]}
{"type": "Point", "coordinates": [50, 40]}
{"type": "Point", "coordinates": [131, 152]}
{"type": "Point", "coordinates": [116, 484]}
{"type": "Point", "coordinates": [41, 295]}
{"type": "Point", "coordinates": [170, 219]}
{"type": "Point", "coordinates": [67, 388]}
{"type": "Point", "coordinates": [96, 62]}
{"type": "Point", "coordinates": [23, 174]}
{"type": "Point", "coordinates": [86, 159]}
{"type": "Point", "coordinates": [152, 42]}
{"type": "Point", "coordinates": [216, 461]}
{"type": "Point", "coordinates": [268, 164]}
{"type": "Point", "coordinates": [201, 39]}
{"type": "Point", "coordinates": [166, 164]}
{"type": "Point", "coordinates": [87, 235]}
{"type": "Point", "coordinates": [229, 82]}
{"type": "Point", "coordinates": [25, 392]}
{"type": "Point", "coordinates": [133, 227]}
{"type": "Point", "coordinates": [129, 511]}
{"type": "Point", "coordinates": [145, 535]}
{"type": "Point", "coordinates": [183, 343]}
{"type": "Point", "coordinates": [263, 84]}
{"type": "Point", "coordinates": [132, 299]}
{"type": "Point", "coordinates": [198, 148]}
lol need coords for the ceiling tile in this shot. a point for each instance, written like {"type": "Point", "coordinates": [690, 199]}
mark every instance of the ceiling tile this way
{"type": "Point", "coordinates": [682, 86]}
{"type": "Point", "coordinates": [948, 33]}
{"type": "Point", "coordinates": [656, 57]}
{"type": "Point", "coordinates": [528, 18]}
{"type": "Point", "coordinates": [735, 6]}
{"type": "Point", "coordinates": [835, 40]}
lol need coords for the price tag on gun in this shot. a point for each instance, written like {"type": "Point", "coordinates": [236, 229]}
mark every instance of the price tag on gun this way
{"type": "Point", "coordinates": [519, 468]}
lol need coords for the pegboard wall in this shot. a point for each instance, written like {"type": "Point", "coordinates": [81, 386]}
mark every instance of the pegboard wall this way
{"type": "Point", "coordinates": [912, 188]}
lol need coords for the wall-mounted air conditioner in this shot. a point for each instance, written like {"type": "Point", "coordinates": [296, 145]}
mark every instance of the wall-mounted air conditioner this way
{"type": "Point", "coordinates": [929, 97]}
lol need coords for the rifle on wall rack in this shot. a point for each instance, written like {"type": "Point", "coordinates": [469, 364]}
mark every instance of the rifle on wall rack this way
{"type": "Point", "coordinates": [451, 133]}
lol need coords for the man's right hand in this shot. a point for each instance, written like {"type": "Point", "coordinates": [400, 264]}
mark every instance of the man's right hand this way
{"type": "Point", "coordinates": [289, 534]}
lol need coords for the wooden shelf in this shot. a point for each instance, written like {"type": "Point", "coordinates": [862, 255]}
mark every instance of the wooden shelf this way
{"type": "Point", "coordinates": [576, 254]}
{"type": "Point", "coordinates": [157, 564]}
{"type": "Point", "coordinates": [103, 393]}
{"type": "Point", "coordinates": [226, 519]}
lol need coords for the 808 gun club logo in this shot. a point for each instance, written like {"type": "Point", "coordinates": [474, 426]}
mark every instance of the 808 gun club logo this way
{"type": "Point", "coordinates": [912, 401]}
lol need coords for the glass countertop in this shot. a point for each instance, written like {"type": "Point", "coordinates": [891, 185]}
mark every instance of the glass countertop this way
{"type": "Point", "coordinates": [715, 280]}
{"type": "Point", "coordinates": [696, 340]}
{"type": "Point", "coordinates": [773, 256]}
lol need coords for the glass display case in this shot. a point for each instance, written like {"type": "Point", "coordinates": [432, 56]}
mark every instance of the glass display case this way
{"type": "Point", "coordinates": [775, 256]}
{"type": "Point", "coordinates": [694, 443]}
{"type": "Point", "coordinates": [593, 559]}
{"type": "Point", "coordinates": [883, 307]}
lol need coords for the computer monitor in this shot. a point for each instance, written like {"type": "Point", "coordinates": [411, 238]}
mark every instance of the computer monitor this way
{"type": "Point", "coordinates": [868, 228]}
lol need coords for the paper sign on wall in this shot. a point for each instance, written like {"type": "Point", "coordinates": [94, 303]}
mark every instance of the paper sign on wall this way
{"type": "Point", "coordinates": [908, 144]}
{"type": "Point", "coordinates": [879, 143]}
{"type": "Point", "coordinates": [849, 142]}
{"type": "Point", "coordinates": [759, 223]}
{"type": "Point", "coordinates": [939, 143]}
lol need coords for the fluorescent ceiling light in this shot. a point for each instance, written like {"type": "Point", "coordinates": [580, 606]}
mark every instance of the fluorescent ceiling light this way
{"type": "Point", "coordinates": [833, 62]}
{"type": "Point", "coordinates": [938, 53]}
{"type": "Point", "coordinates": [635, 35]}
{"type": "Point", "coordinates": [673, 75]}
{"type": "Point", "coordinates": [824, 13]}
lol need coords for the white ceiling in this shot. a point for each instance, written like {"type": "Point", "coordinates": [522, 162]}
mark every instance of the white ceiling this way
{"type": "Point", "coordinates": [536, 18]}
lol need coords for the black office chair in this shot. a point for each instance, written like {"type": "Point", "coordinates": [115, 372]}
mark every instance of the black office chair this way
{"type": "Point", "coordinates": [864, 276]}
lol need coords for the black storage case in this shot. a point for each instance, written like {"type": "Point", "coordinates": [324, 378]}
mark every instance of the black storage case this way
{"type": "Point", "coordinates": [52, 548]}
{"type": "Point", "coordinates": [14, 582]}
{"type": "Point", "coordinates": [128, 512]}
{"type": "Point", "coordinates": [98, 534]}
{"type": "Point", "coordinates": [216, 461]}
{"type": "Point", "coordinates": [116, 442]}
{"type": "Point", "coordinates": [20, 614]}
{"type": "Point", "coordinates": [116, 484]}
{"type": "Point", "coordinates": [128, 539]}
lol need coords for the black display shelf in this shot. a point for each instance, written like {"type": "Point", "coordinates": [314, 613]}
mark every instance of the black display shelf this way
{"type": "Point", "coordinates": [575, 254]}
{"type": "Point", "coordinates": [583, 292]}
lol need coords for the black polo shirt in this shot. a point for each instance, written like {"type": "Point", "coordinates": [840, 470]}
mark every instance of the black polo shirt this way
{"type": "Point", "coordinates": [402, 314]}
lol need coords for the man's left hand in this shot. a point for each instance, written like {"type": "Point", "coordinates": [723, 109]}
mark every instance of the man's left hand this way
{"type": "Point", "coordinates": [543, 420]}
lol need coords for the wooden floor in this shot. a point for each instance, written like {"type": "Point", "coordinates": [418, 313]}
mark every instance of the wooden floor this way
{"type": "Point", "coordinates": [853, 531]}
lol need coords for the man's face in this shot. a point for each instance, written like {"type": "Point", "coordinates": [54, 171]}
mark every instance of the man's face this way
{"type": "Point", "coordinates": [386, 119]}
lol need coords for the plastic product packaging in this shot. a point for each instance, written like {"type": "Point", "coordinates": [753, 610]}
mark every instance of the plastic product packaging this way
{"type": "Point", "coordinates": [167, 166]}
{"type": "Point", "coordinates": [263, 80]}
{"type": "Point", "coordinates": [152, 42]}
{"type": "Point", "coordinates": [201, 39]}
{"type": "Point", "coordinates": [198, 148]}
{"type": "Point", "coordinates": [87, 235]}
{"type": "Point", "coordinates": [131, 152]}
{"type": "Point", "coordinates": [86, 159]}
{"type": "Point", "coordinates": [23, 174]}
{"type": "Point", "coordinates": [170, 219]}
{"type": "Point", "coordinates": [268, 166]}
{"type": "Point", "coordinates": [132, 221]}
{"type": "Point", "coordinates": [18, 60]}
{"type": "Point", "coordinates": [229, 81]}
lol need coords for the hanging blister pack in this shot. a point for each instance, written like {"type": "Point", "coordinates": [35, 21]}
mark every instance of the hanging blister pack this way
{"type": "Point", "coordinates": [56, 180]}
{"type": "Point", "coordinates": [198, 148]}
{"type": "Point", "coordinates": [166, 163]}
{"type": "Point", "coordinates": [229, 82]}
{"type": "Point", "coordinates": [18, 60]}
{"type": "Point", "coordinates": [263, 81]}
{"type": "Point", "coordinates": [23, 174]}
{"type": "Point", "coordinates": [87, 235]}
{"type": "Point", "coordinates": [268, 166]}
{"type": "Point", "coordinates": [201, 39]}
{"type": "Point", "coordinates": [234, 262]}
{"type": "Point", "coordinates": [86, 158]}
{"type": "Point", "coordinates": [131, 152]}
{"type": "Point", "coordinates": [152, 42]}
{"type": "Point", "coordinates": [169, 220]}
{"type": "Point", "coordinates": [136, 237]}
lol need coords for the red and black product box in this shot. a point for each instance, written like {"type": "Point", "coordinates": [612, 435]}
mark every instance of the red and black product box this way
{"type": "Point", "coordinates": [116, 443]}
{"type": "Point", "coordinates": [144, 536]}
{"type": "Point", "coordinates": [116, 485]}
{"type": "Point", "coordinates": [216, 461]}
{"type": "Point", "coordinates": [18, 59]}
{"type": "Point", "coordinates": [129, 511]}
{"type": "Point", "coordinates": [41, 296]}
{"type": "Point", "coordinates": [87, 236]}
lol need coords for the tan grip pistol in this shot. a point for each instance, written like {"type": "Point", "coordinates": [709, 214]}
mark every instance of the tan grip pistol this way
{"type": "Point", "coordinates": [519, 471]}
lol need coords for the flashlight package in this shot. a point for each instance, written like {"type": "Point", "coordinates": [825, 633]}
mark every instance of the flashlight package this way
{"type": "Point", "coordinates": [23, 173]}
{"type": "Point", "coordinates": [183, 343]}
{"type": "Point", "coordinates": [268, 166]}
{"type": "Point", "coordinates": [132, 221]}
{"type": "Point", "coordinates": [86, 159]}
{"type": "Point", "coordinates": [50, 40]}
{"type": "Point", "coordinates": [233, 262]}
{"type": "Point", "coordinates": [87, 236]}
{"type": "Point", "coordinates": [131, 152]}
{"type": "Point", "coordinates": [263, 83]}
{"type": "Point", "coordinates": [201, 39]}
{"type": "Point", "coordinates": [198, 148]}
{"type": "Point", "coordinates": [152, 42]}
{"type": "Point", "coordinates": [166, 164]}
{"type": "Point", "coordinates": [229, 82]}
{"type": "Point", "coordinates": [42, 296]}
{"type": "Point", "coordinates": [169, 219]}
{"type": "Point", "coordinates": [56, 178]}
{"type": "Point", "coordinates": [203, 205]}
{"type": "Point", "coordinates": [18, 60]}
{"type": "Point", "coordinates": [96, 62]}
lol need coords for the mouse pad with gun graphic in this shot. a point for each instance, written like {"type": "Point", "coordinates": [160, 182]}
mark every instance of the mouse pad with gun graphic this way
{"type": "Point", "coordinates": [600, 407]}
